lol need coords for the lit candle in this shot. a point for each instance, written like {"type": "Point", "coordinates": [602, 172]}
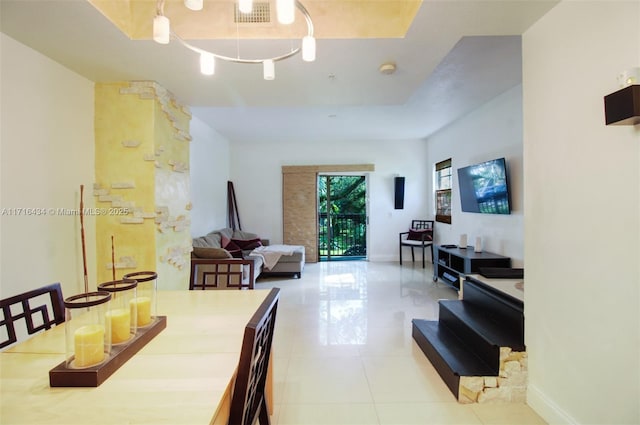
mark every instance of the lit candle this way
{"type": "Point", "coordinates": [120, 319]}
{"type": "Point", "coordinates": [143, 306]}
{"type": "Point", "coordinates": [89, 345]}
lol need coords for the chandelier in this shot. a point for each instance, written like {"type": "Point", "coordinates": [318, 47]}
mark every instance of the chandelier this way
{"type": "Point", "coordinates": [285, 10]}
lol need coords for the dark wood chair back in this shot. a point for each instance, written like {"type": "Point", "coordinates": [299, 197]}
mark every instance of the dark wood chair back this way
{"type": "Point", "coordinates": [248, 402]}
{"type": "Point", "coordinates": [40, 309]}
{"type": "Point", "coordinates": [420, 236]}
{"type": "Point", "coordinates": [221, 274]}
{"type": "Point", "coordinates": [422, 224]}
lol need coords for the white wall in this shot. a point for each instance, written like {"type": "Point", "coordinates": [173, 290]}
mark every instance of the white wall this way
{"type": "Point", "coordinates": [492, 131]}
{"type": "Point", "coordinates": [582, 216]}
{"type": "Point", "coordinates": [209, 172]}
{"type": "Point", "coordinates": [256, 173]}
{"type": "Point", "coordinates": [47, 145]}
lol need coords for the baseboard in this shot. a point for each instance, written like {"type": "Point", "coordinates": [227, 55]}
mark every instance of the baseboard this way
{"type": "Point", "coordinates": [394, 258]}
{"type": "Point", "coordinates": [547, 408]}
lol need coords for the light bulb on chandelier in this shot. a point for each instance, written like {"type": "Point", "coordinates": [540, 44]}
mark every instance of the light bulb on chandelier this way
{"type": "Point", "coordinates": [286, 11]}
{"type": "Point", "coordinates": [161, 29]}
{"type": "Point", "coordinates": [268, 69]}
{"type": "Point", "coordinates": [162, 34]}
{"type": "Point", "coordinates": [194, 4]}
{"type": "Point", "coordinates": [245, 6]}
{"type": "Point", "coordinates": [207, 63]}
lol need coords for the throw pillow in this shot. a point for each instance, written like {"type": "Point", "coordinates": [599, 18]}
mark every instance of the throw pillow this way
{"type": "Point", "coordinates": [212, 240]}
{"type": "Point", "coordinates": [247, 244]}
{"type": "Point", "coordinates": [234, 250]}
{"type": "Point", "coordinates": [417, 235]}
{"type": "Point", "coordinates": [211, 253]}
{"type": "Point", "coordinates": [236, 253]}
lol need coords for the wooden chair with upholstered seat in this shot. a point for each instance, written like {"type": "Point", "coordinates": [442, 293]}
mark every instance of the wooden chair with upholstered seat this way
{"type": "Point", "coordinates": [248, 403]}
{"type": "Point", "coordinates": [420, 235]}
{"type": "Point", "coordinates": [40, 309]}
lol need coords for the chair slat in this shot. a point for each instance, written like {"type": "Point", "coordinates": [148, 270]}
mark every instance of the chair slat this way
{"type": "Point", "coordinates": [248, 402]}
{"type": "Point", "coordinates": [27, 311]}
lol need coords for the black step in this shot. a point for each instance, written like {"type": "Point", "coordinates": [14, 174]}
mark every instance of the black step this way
{"type": "Point", "coordinates": [504, 309]}
{"type": "Point", "coordinates": [501, 272]}
{"type": "Point", "coordinates": [479, 331]}
{"type": "Point", "coordinates": [448, 354]}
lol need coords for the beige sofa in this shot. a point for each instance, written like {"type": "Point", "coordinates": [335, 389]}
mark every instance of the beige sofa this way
{"type": "Point", "coordinates": [228, 258]}
{"type": "Point", "coordinates": [221, 259]}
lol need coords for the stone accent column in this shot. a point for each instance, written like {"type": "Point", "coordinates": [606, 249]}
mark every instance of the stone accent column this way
{"type": "Point", "coordinates": [299, 212]}
{"type": "Point", "coordinates": [142, 182]}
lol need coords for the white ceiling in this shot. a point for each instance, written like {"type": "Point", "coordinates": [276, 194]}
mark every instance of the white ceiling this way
{"type": "Point", "coordinates": [456, 56]}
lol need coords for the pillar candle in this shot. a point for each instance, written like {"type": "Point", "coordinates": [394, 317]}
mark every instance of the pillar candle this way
{"type": "Point", "coordinates": [478, 246]}
{"type": "Point", "coordinates": [120, 319]}
{"type": "Point", "coordinates": [463, 241]}
{"type": "Point", "coordinates": [88, 345]}
{"type": "Point", "coordinates": [143, 306]}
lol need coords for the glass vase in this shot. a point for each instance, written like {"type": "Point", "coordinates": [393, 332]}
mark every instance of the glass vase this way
{"type": "Point", "coordinates": [88, 340]}
{"type": "Point", "coordinates": [145, 301]}
{"type": "Point", "coordinates": [122, 313]}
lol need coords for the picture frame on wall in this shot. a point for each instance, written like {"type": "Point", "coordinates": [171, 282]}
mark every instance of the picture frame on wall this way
{"type": "Point", "coordinates": [443, 206]}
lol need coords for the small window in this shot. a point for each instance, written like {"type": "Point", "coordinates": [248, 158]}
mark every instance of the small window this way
{"type": "Point", "coordinates": [442, 189]}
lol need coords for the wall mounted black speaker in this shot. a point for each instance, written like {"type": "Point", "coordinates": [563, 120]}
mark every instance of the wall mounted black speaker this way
{"type": "Point", "coordinates": [399, 192]}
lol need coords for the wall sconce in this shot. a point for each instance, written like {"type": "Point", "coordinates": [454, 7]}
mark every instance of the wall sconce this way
{"type": "Point", "coordinates": [623, 106]}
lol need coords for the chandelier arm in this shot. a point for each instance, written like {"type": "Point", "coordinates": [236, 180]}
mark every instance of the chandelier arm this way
{"type": "Point", "coordinates": [231, 59]}
{"type": "Point", "coordinates": [160, 8]}
{"type": "Point", "coordinates": [307, 17]}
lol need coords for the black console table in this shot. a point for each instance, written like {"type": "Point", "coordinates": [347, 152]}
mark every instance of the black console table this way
{"type": "Point", "coordinates": [449, 263]}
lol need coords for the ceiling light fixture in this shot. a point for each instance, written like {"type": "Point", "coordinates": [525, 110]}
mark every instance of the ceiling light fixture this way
{"type": "Point", "coordinates": [194, 4]}
{"type": "Point", "coordinates": [245, 6]}
{"type": "Point", "coordinates": [161, 29]}
{"type": "Point", "coordinates": [268, 69]}
{"type": "Point", "coordinates": [286, 11]}
{"type": "Point", "coordinates": [162, 34]}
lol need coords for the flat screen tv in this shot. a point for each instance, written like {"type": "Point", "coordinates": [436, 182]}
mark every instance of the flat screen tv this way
{"type": "Point", "coordinates": [484, 188]}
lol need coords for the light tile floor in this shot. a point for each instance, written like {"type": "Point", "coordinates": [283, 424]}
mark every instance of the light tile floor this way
{"type": "Point", "coordinates": [344, 355]}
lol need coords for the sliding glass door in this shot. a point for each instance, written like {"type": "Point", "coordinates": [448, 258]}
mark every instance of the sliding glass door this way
{"type": "Point", "coordinates": [342, 217]}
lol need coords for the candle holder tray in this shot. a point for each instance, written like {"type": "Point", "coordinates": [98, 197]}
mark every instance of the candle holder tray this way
{"type": "Point", "coordinates": [62, 376]}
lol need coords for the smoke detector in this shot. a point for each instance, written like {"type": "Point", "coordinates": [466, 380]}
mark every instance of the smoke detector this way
{"type": "Point", "coordinates": [387, 68]}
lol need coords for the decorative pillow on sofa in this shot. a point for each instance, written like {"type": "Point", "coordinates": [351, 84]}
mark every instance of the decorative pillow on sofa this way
{"type": "Point", "coordinates": [417, 234]}
{"type": "Point", "coordinates": [229, 245]}
{"type": "Point", "coordinates": [211, 253]}
{"type": "Point", "coordinates": [212, 240]}
{"type": "Point", "coordinates": [247, 244]}
{"type": "Point", "coordinates": [236, 253]}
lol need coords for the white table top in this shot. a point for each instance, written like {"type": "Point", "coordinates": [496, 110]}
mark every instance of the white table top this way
{"type": "Point", "coordinates": [181, 376]}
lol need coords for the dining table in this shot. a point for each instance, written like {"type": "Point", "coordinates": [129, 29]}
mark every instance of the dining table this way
{"type": "Point", "coordinates": [184, 375]}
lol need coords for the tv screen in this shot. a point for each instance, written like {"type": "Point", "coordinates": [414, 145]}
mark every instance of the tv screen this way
{"type": "Point", "coordinates": [484, 188]}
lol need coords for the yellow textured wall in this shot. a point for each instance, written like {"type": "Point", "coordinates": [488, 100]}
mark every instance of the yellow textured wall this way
{"type": "Point", "coordinates": [142, 187]}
